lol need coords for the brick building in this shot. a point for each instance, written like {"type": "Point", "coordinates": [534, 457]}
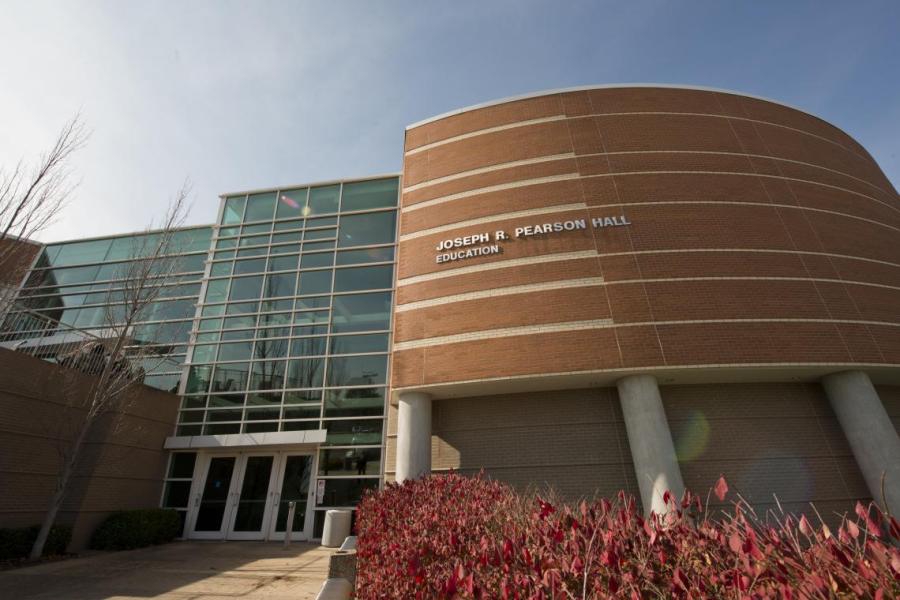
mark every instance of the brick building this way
{"type": "Point", "coordinates": [595, 289]}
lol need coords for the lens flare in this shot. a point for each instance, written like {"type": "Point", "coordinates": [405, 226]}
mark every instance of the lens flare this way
{"type": "Point", "coordinates": [694, 438]}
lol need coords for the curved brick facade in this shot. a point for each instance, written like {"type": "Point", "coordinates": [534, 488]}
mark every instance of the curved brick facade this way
{"type": "Point", "coordinates": [760, 237]}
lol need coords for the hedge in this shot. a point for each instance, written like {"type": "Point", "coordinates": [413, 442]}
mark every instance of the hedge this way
{"type": "Point", "coordinates": [136, 529]}
{"type": "Point", "coordinates": [17, 542]}
{"type": "Point", "coordinates": [457, 538]}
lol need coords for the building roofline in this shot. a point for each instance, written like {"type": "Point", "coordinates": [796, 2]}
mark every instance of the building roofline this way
{"type": "Point", "coordinates": [609, 86]}
{"type": "Point", "coordinates": [310, 184]}
{"type": "Point", "coordinates": [132, 233]}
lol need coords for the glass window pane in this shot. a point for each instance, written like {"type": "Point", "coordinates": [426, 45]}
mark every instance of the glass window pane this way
{"type": "Point", "coordinates": [359, 344]}
{"type": "Point", "coordinates": [271, 305]}
{"type": "Point", "coordinates": [192, 240]}
{"type": "Point", "coordinates": [310, 346]}
{"type": "Point", "coordinates": [198, 379]}
{"type": "Point", "coordinates": [291, 204]}
{"type": "Point", "coordinates": [236, 336]}
{"type": "Point", "coordinates": [316, 246]}
{"type": "Point", "coordinates": [264, 399]}
{"type": "Point", "coordinates": [216, 290]}
{"type": "Point", "coordinates": [268, 375]}
{"type": "Point", "coordinates": [228, 231]}
{"type": "Point", "coordinates": [321, 222]}
{"type": "Point", "coordinates": [317, 260]}
{"type": "Point", "coordinates": [369, 255]}
{"type": "Point", "coordinates": [257, 228]}
{"type": "Point", "coordinates": [286, 249]}
{"type": "Point", "coordinates": [235, 351]}
{"type": "Point", "coordinates": [305, 373]}
{"type": "Point", "coordinates": [221, 269]}
{"type": "Point", "coordinates": [280, 284]}
{"type": "Point", "coordinates": [361, 312]}
{"type": "Point", "coordinates": [239, 323]}
{"type": "Point", "coordinates": [299, 396]}
{"type": "Point", "coordinates": [380, 193]}
{"type": "Point", "coordinates": [242, 308]}
{"type": "Point", "coordinates": [310, 303]}
{"type": "Point", "coordinates": [234, 210]}
{"type": "Point", "coordinates": [227, 400]}
{"type": "Point", "coordinates": [177, 494]}
{"type": "Point", "coordinates": [221, 429]}
{"type": "Point", "coordinates": [248, 252]}
{"type": "Point", "coordinates": [260, 207]}
{"type": "Point", "coordinates": [289, 225]}
{"type": "Point", "coordinates": [272, 319]}
{"type": "Point", "coordinates": [254, 240]}
{"type": "Point", "coordinates": [311, 317]}
{"type": "Point", "coordinates": [303, 411]}
{"type": "Point", "coordinates": [346, 492]}
{"type": "Point", "coordinates": [283, 263]}
{"type": "Point", "coordinates": [230, 378]}
{"type": "Point", "coordinates": [262, 414]}
{"type": "Point", "coordinates": [366, 230]}
{"type": "Point", "coordinates": [363, 278]}
{"type": "Point", "coordinates": [268, 349]}
{"type": "Point", "coordinates": [283, 238]}
{"type": "Point", "coordinates": [223, 255]}
{"type": "Point", "coordinates": [315, 282]}
{"type": "Point", "coordinates": [82, 252]}
{"type": "Point", "coordinates": [223, 415]}
{"type": "Point", "coordinates": [313, 235]}
{"type": "Point", "coordinates": [260, 427]}
{"type": "Point", "coordinates": [204, 353]}
{"type": "Point", "coordinates": [353, 432]}
{"type": "Point", "coordinates": [357, 370]}
{"type": "Point", "coordinates": [351, 461]}
{"type": "Point", "coordinates": [182, 465]}
{"type": "Point", "coordinates": [324, 199]}
{"type": "Point", "coordinates": [252, 265]}
{"type": "Point", "coordinates": [246, 288]}
{"type": "Point", "coordinates": [355, 402]}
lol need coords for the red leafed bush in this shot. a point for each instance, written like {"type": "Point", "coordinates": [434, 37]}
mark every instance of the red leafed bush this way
{"type": "Point", "coordinates": [456, 537]}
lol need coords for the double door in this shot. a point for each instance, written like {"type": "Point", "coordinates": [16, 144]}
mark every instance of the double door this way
{"type": "Point", "coordinates": [246, 496]}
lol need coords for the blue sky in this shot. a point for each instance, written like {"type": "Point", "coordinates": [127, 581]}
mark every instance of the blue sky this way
{"type": "Point", "coordinates": [238, 95]}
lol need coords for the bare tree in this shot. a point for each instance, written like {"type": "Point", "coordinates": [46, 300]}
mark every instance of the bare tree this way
{"type": "Point", "coordinates": [114, 361]}
{"type": "Point", "coordinates": [31, 198]}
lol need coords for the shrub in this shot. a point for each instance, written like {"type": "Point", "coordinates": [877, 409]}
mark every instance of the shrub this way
{"type": "Point", "coordinates": [457, 538]}
{"type": "Point", "coordinates": [17, 542]}
{"type": "Point", "coordinates": [136, 529]}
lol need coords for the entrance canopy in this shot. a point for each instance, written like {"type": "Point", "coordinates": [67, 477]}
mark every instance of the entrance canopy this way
{"type": "Point", "coordinates": [246, 440]}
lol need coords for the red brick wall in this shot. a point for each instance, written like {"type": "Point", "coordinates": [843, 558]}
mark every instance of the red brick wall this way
{"type": "Point", "coordinates": [760, 234]}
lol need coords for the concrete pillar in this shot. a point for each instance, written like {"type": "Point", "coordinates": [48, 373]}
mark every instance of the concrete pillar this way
{"type": "Point", "coordinates": [652, 450]}
{"type": "Point", "coordinates": [869, 430]}
{"type": "Point", "coordinates": [413, 436]}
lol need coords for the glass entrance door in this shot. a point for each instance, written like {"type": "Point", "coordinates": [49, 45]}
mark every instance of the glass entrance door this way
{"type": "Point", "coordinates": [214, 501]}
{"type": "Point", "coordinates": [246, 496]}
{"type": "Point", "coordinates": [253, 500]}
{"type": "Point", "coordinates": [294, 485]}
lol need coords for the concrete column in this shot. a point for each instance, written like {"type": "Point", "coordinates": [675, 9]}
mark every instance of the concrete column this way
{"type": "Point", "coordinates": [413, 436]}
{"type": "Point", "coordinates": [652, 450]}
{"type": "Point", "coordinates": [869, 430]}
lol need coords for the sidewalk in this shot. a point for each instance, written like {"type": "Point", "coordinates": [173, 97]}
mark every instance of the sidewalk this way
{"type": "Point", "coordinates": [178, 571]}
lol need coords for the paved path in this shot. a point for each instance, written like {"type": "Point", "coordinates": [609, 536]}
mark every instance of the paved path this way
{"type": "Point", "coordinates": [178, 571]}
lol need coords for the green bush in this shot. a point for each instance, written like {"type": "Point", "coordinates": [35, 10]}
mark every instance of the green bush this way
{"type": "Point", "coordinates": [17, 542]}
{"type": "Point", "coordinates": [136, 529]}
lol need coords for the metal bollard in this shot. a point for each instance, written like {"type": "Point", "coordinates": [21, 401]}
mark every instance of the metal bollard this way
{"type": "Point", "coordinates": [289, 526]}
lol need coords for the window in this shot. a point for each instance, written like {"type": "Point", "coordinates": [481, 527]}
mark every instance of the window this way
{"type": "Point", "coordinates": [369, 255]}
{"type": "Point", "coordinates": [317, 260]}
{"type": "Point", "coordinates": [366, 230]}
{"type": "Point", "coordinates": [230, 378]}
{"type": "Point", "coordinates": [216, 290]}
{"type": "Point", "coordinates": [359, 344]}
{"type": "Point", "coordinates": [260, 207]}
{"type": "Point", "coordinates": [291, 203]}
{"type": "Point", "coordinates": [353, 431]}
{"type": "Point", "coordinates": [235, 351]}
{"type": "Point", "coordinates": [315, 282]}
{"type": "Point", "coordinates": [253, 265]}
{"type": "Point", "coordinates": [361, 312]}
{"type": "Point", "coordinates": [245, 288]}
{"type": "Point", "coordinates": [281, 284]}
{"type": "Point", "coordinates": [268, 375]}
{"type": "Point", "coordinates": [234, 210]}
{"type": "Point", "coordinates": [305, 373]}
{"type": "Point", "coordinates": [355, 402]}
{"type": "Point", "coordinates": [357, 370]}
{"type": "Point", "coordinates": [355, 279]}
{"type": "Point", "coordinates": [324, 199]}
{"type": "Point", "coordinates": [350, 461]}
{"type": "Point", "coordinates": [310, 346]}
{"type": "Point", "coordinates": [380, 193]}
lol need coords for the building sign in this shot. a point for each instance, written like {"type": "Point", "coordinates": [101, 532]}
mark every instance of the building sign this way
{"type": "Point", "coordinates": [479, 244]}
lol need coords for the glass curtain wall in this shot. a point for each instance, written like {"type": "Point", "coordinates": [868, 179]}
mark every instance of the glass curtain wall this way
{"type": "Point", "coordinates": [75, 282]}
{"type": "Point", "coordinates": [294, 326]}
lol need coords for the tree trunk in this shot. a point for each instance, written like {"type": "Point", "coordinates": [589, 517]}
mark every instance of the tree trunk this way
{"type": "Point", "coordinates": [61, 489]}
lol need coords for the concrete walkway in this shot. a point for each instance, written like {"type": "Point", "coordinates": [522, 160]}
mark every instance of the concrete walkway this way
{"type": "Point", "coordinates": [178, 571]}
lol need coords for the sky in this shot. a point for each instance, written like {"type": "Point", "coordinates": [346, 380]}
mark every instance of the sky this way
{"type": "Point", "coordinates": [254, 94]}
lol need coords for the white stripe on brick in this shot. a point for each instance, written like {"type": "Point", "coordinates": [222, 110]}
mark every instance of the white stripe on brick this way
{"type": "Point", "coordinates": [491, 188]}
{"type": "Point", "coordinates": [493, 218]}
{"type": "Point", "coordinates": [485, 131]}
{"type": "Point", "coordinates": [500, 264]}
{"type": "Point", "coordinates": [503, 291]}
{"type": "Point", "coordinates": [497, 167]}
{"type": "Point", "coordinates": [504, 332]}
